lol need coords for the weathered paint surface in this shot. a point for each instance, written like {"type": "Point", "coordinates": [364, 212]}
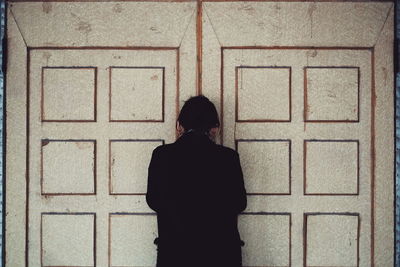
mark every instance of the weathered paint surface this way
{"type": "Point", "coordinates": [86, 29]}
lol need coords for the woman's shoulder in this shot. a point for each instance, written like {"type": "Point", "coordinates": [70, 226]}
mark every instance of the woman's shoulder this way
{"type": "Point", "coordinates": [171, 148]}
{"type": "Point", "coordinates": [161, 148]}
{"type": "Point", "coordinates": [227, 150]}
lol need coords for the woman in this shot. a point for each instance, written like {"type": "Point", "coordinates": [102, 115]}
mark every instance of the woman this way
{"type": "Point", "coordinates": [196, 188]}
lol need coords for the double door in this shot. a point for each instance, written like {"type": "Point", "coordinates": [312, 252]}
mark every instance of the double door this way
{"type": "Point", "coordinates": [304, 91]}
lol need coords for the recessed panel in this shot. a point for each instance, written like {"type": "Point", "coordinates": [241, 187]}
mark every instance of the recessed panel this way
{"type": "Point", "coordinates": [132, 239]}
{"type": "Point", "coordinates": [266, 165]}
{"type": "Point", "coordinates": [332, 94]}
{"type": "Point", "coordinates": [263, 94]}
{"type": "Point", "coordinates": [331, 167]}
{"type": "Point", "coordinates": [68, 166]}
{"type": "Point", "coordinates": [68, 93]}
{"type": "Point", "coordinates": [267, 239]}
{"type": "Point", "coordinates": [332, 239]}
{"type": "Point", "coordinates": [137, 94]}
{"type": "Point", "coordinates": [129, 162]}
{"type": "Point", "coordinates": [68, 239]}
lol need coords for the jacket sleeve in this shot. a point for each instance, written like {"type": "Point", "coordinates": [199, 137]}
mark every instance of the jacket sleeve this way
{"type": "Point", "coordinates": [239, 194]}
{"type": "Point", "coordinates": [153, 194]}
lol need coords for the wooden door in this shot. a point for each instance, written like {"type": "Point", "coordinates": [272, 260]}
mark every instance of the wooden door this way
{"type": "Point", "coordinates": [305, 94]}
{"type": "Point", "coordinates": [100, 96]}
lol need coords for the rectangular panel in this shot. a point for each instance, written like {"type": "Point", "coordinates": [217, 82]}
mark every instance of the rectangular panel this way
{"type": "Point", "coordinates": [69, 94]}
{"type": "Point", "coordinates": [137, 93]}
{"type": "Point", "coordinates": [267, 238]}
{"type": "Point", "coordinates": [129, 161]}
{"type": "Point", "coordinates": [73, 166]}
{"type": "Point", "coordinates": [332, 239]}
{"type": "Point", "coordinates": [131, 239]}
{"type": "Point", "coordinates": [330, 151]}
{"type": "Point", "coordinates": [68, 167]}
{"type": "Point", "coordinates": [266, 166]}
{"type": "Point", "coordinates": [331, 167]}
{"type": "Point", "coordinates": [68, 239]}
{"type": "Point", "coordinates": [331, 94]}
{"type": "Point", "coordinates": [263, 93]}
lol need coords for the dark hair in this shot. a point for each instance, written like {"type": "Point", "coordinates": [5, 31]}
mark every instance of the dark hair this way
{"type": "Point", "coordinates": [198, 113]}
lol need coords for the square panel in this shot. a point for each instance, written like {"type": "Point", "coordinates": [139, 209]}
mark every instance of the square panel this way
{"type": "Point", "coordinates": [332, 239]}
{"type": "Point", "coordinates": [266, 166]}
{"type": "Point", "coordinates": [137, 94]}
{"type": "Point", "coordinates": [68, 167]}
{"type": "Point", "coordinates": [263, 94]}
{"type": "Point", "coordinates": [129, 162]}
{"type": "Point", "coordinates": [331, 167]}
{"type": "Point", "coordinates": [68, 239]}
{"type": "Point", "coordinates": [331, 94]}
{"type": "Point", "coordinates": [267, 238]}
{"type": "Point", "coordinates": [131, 240]}
{"type": "Point", "coordinates": [68, 94]}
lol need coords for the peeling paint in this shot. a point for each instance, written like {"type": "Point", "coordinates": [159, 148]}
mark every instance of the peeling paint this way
{"type": "Point", "coordinates": [84, 26]}
{"type": "Point", "coordinates": [247, 8]}
{"type": "Point", "coordinates": [47, 7]}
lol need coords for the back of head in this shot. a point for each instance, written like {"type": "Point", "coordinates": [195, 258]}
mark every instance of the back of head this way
{"type": "Point", "coordinates": [198, 113]}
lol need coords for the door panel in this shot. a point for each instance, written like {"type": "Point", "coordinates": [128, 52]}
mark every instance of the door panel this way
{"type": "Point", "coordinates": [136, 23]}
{"type": "Point", "coordinates": [89, 151]}
{"type": "Point", "coordinates": [315, 166]}
{"type": "Point", "coordinates": [98, 103]}
{"type": "Point", "coordinates": [298, 102]}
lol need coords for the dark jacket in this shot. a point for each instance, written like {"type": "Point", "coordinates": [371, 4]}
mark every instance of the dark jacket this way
{"type": "Point", "coordinates": [196, 187]}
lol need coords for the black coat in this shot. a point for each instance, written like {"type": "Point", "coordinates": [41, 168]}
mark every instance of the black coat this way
{"type": "Point", "coordinates": [196, 187]}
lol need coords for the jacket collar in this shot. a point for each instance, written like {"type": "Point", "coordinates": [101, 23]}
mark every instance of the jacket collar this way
{"type": "Point", "coordinates": [195, 137]}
